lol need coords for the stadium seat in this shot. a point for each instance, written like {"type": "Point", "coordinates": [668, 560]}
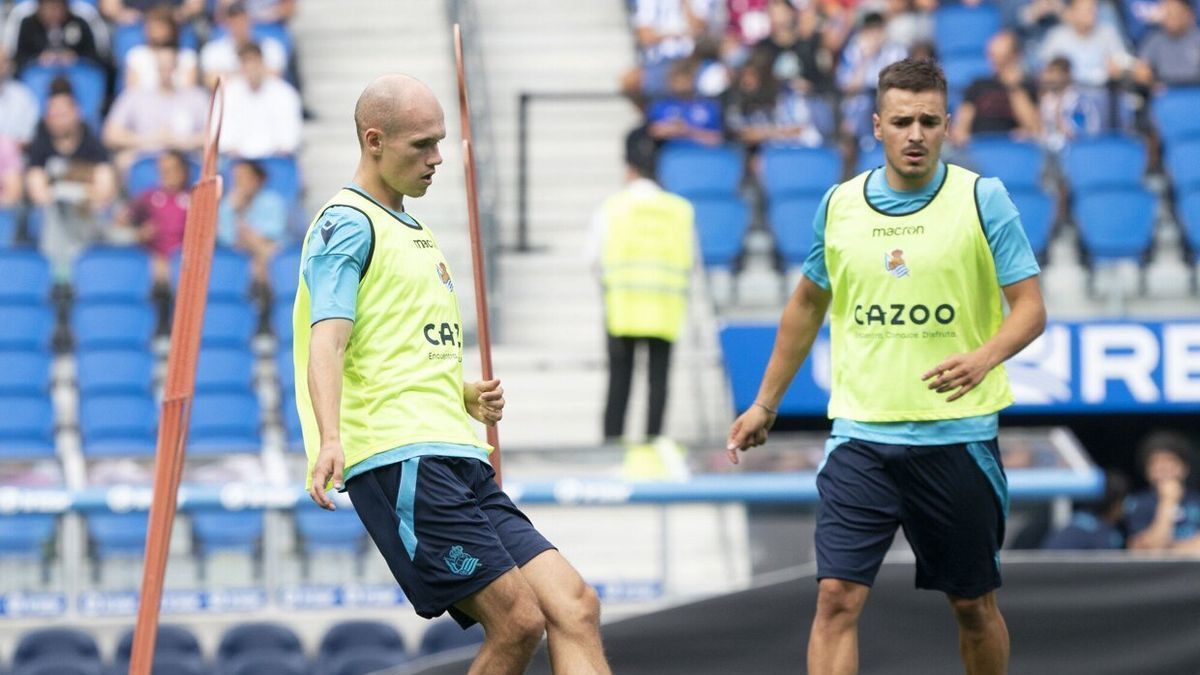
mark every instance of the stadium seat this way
{"type": "Point", "coordinates": [8, 227]}
{"type": "Point", "coordinates": [1174, 113]}
{"type": "Point", "coordinates": [26, 427]}
{"type": "Point", "coordinates": [869, 159]}
{"type": "Point", "coordinates": [60, 665]}
{"type": "Point", "coordinates": [88, 82]}
{"type": "Point", "coordinates": [291, 421]}
{"type": "Point", "coordinates": [225, 422]}
{"type": "Point", "coordinates": [107, 274]}
{"type": "Point", "coordinates": [791, 221]}
{"type": "Point", "coordinates": [143, 175]}
{"type": "Point", "coordinates": [721, 223]}
{"type": "Point", "coordinates": [229, 279]}
{"type": "Point", "coordinates": [170, 639]}
{"type": "Point", "coordinates": [281, 322]}
{"type": "Point", "coordinates": [699, 171]}
{"type": "Point", "coordinates": [113, 326]}
{"type": "Point", "coordinates": [69, 643]}
{"type": "Point", "coordinates": [788, 172]}
{"type": "Point", "coordinates": [267, 663]}
{"type": "Point", "coordinates": [1037, 216]}
{"type": "Point", "coordinates": [1103, 162]}
{"type": "Point", "coordinates": [228, 324]}
{"type": "Point", "coordinates": [962, 70]}
{"type": "Point", "coordinates": [238, 531]}
{"type": "Point", "coordinates": [962, 30]}
{"type": "Point", "coordinates": [1017, 164]}
{"type": "Point", "coordinates": [285, 367]}
{"type": "Point", "coordinates": [365, 662]}
{"type": "Point", "coordinates": [323, 530]}
{"type": "Point", "coordinates": [124, 38]}
{"type": "Point", "coordinates": [167, 664]}
{"type": "Point", "coordinates": [1116, 224]}
{"type": "Point", "coordinates": [354, 636]}
{"type": "Point", "coordinates": [118, 534]}
{"type": "Point", "coordinates": [24, 373]}
{"type": "Point", "coordinates": [25, 535]}
{"type": "Point", "coordinates": [223, 369]}
{"type": "Point", "coordinates": [248, 638]}
{"type": "Point", "coordinates": [114, 371]}
{"type": "Point", "coordinates": [284, 273]}
{"type": "Point", "coordinates": [283, 177]}
{"type": "Point", "coordinates": [260, 32]}
{"type": "Point", "coordinates": [118, 425]}
{"type": "Point", "coordinates": [1188, 209]}
{"type": "Point", "coordinates": [1183, 165]}
{"type": "Point", "coordinates": [446, 634]}
{"type": "Point", "coordinates": [25, 279]}
{"type": "Point", "coordinates": [26, 327]}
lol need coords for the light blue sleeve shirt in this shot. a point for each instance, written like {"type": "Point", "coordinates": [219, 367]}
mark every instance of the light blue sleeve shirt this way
{"type": "Point", "coordinates": [267, 214]}
{"type": "Point", "coordinates": [1014, 259]}
{"type": "Point", "coordinates": [335, 258]}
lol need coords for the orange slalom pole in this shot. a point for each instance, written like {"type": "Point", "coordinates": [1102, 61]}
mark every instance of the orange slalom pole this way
{"type": "Point", "coordinates": [199, 238]}
{"type": "Point", "coordinates": [477, 264]}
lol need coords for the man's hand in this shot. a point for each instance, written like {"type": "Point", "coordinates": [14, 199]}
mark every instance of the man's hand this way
{"type": "Point", "coordinates": [484, 400]}
{"type": "Point", "coordinates": [1169, 492]}
{"type": "Point", "coordinates": [749, 430]}
{"type": "Point", "coordinates": [959, 371]}
{"type": "Point", "coordinates": [329, 466]}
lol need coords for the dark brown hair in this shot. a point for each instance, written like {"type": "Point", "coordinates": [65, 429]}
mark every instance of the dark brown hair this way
{"type": "Point", "coordinates": [915, 75]}
{"type": "Point", "coordinates": [1165, 441]}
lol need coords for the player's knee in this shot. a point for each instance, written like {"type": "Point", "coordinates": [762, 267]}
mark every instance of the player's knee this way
{"type": "Point", "coordinates": [524, 625]}
{"type": "Point", "coordinates": [840, 600]}
{"type": "Point", "coordinates": [973, 614]}
{"type": "Point", "coordinates": [575, 609]}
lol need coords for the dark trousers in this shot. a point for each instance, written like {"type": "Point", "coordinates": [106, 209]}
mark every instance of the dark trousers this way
{"type": "Point", "coordinates": [620, 377]}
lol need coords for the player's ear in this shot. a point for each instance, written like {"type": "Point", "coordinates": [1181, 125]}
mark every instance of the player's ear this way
{"type": "Point", "coordinates": [373, 140]}
{"type": "Point", "coordinates": [875, 121]}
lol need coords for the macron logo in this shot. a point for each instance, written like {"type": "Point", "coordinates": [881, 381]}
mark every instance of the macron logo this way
{"type": "Point", "coordinates": [327, 231]}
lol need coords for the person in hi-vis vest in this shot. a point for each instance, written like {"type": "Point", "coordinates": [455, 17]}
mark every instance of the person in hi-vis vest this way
{"type": "Point", "coordinates": [911, 261]}
{"type": "Point", "coordinates": [643, 241]}
{"type": "Point", "coordinates": [387, 417]}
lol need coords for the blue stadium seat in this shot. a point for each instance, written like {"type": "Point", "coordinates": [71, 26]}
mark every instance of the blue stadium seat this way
{"type": "Point", "coordinates": [285, 367]}
{"type": "Point", "coordinates": [88, 81]}
{"type": "Point", "coordinates": [55, 642]}
{"type": "Point", "coordinates": [260, 32]}
{"type": "Point", "coordinates": [1183, 164]}
{"type": "Point", "coordinates": [799, 171]}
{"type": "Point", "coordinates": [1188, 209]}
{"type": "Point", "coordinates": [26, 535]}
{"type": "Point", "coordinates": [118, 425]}
{"type": "Point", "coordinates": [267, 663]}
{"type": "Point", "coordinates": [353, 636]}
{"type": "Point", "coordinates": [248, 638]}
{"type": "Point", "coordinates": [224, 370]}
{"type": "Point", "coordinates": [446, 634]}
{"type": "Point", "coordinates": [721, 223]}
{"type": "Point", "coordinates": [170, 639]}
{"type": "Point", "coordinates": [228, 324]}
{"type": "Point", "coordinates": [24, 373]}
{"type": "Point", "coordinates": [229, 277]}
{"type": "Point", "coordinates": [26, 327]}
{"type": "Point", "coordinates": [1116, 223]}
{"type": "Point", "coordinates": [281, 322]}
{"type": "Point", "coordinates": [26, 427]}
{"type": "Point", "coordinates": [143, 174]}
{"type": "Point", "coordinates": [284, 273]}
{"type": "Point", "coordinates": [339, 530]}
{"type": "Point", "coordinates": [869, 159]}
{"type": "Point", "coordinates": [699, 171]}
{"type": "Point", "coordinates": [167, 664]}
{"type": "Point", "coordinates": [291, 422]}
{"type": "Point", "coordinates": [1104, 162]}
{"type": "Point", "coordinates": [226, 422]}
{"type": "Point", "coordinates": [121, 535]}
{"type": "Point", "coordinates": [365, 662]}
{"type": "Point", "coordinates": [114, 371]}
{"type": "Point", "coordinates": [791, 221]}
{"type": "Point", "coordinates": [1017, 163]}
{"type": "Point", "coordinates": [227, 530]}
{"type": "Point", "coordinates": [283, 177]}
{"type": "Point", "coordinates": [60, 665]}
{"type": "Point", "coordinates": [962, 70]}
{"type": "Point", "coordinates": [124, 38]}
{"type": "Point", "coordinates": [8, 227]}
{"type": "Point", "coordinates": [25, 279]}
{"type": "Point", "coordinates": [1037, 216]}
{"type": "Point", "coordinates": [106, 274]}
{"type": "Point", "coordinates": [962, 30]}
{"type": "Point", "coordinates": [1174, 113]}
{"type": "Point", "coordinates": [113, 326]}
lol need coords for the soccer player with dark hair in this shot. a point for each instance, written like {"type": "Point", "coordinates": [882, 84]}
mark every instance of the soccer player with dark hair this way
{"type": "Point", "coordinates": [912, 261]}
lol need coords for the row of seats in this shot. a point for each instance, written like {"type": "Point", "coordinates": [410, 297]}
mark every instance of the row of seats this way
{"type": "Point", "coordinates": [348, 648]}
{"type": "Point", "coordinates": [282, 175]}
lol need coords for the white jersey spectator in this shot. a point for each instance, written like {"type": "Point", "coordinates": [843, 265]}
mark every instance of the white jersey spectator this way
{"type": "Point", "coordinates": [219, 57]}
{"type": "Point", "coordinates": [18, 107]}
{"type": "Point", "coordinates": [262, 112]}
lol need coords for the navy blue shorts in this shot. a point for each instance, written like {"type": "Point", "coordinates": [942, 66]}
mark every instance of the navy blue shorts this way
{"type": "Point", "coordinates": [444, 527]}
{"type": "Point", "coordinates": [951, 500]}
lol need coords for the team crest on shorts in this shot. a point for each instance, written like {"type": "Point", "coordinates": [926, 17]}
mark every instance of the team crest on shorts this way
{"type": "Point", "coordinates": [894, 264]}
{"type": "Point", "coordinates": [460, 562]}
{"type": "Point", "coordinates": [444, 275]}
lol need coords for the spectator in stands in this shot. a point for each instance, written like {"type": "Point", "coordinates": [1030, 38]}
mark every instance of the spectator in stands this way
{"type": "Point", "coordinates": [1096, 50]}
{"type": "Point", "coordinates": [1165, 517]}
{"type": "Point", "coordinates": [684, 116]}
{"type": "Point", "coordinates": [54, 35]}
{"type": "Point", "coordinates": [18, 107]}
{"type": "Point", "coordinates": [219, 57]}
{"type": "Point", "coordinates": [71, 179]}
{"type": "Point", "coordinates": [665, 31]}
{"type": "Point", "coordinates": [747, 23]}
{"type": "Point", "coordinates": [10, 174]}
{"type": "Point", "coordinates": [132, 11]}
{"type": "Point", "coordinates": [263, 11]}
{"type": "Point", "coordinates": [794, 51]}
{"type": "Point", "coordinates": [1097, 525]}
{"type": "Point", "coordinates": [1065, 112]}
{"type": "Point", "coordinates": [252, 218]}
{"type": "Point", "coordinates": [866, 54]}
{"type": "Point", "coordinates": [158, 214]}
{"type": "Point", "coordinates": [1032, 19]}
{"type": "Point", "coordinates": [147, 120]}
{"type": "Point", "coordinates": [750, 112]}
{"type": "Point", "coordinates": [1171, 55]}
{"type": "Point", "coordinates": [909, 21]}
{"type": "Point", "coordinates": [262, 112]}
{"type": "Point", "coordinates": [1003, 102]}
{"type": "Point", "coordinates": [141, 64]}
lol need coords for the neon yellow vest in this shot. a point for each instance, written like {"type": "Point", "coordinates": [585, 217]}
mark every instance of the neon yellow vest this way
{"type": "Point", "coordinates": [647, 261]}
{"type": "Point", "coordinates": [402, 380]}
{"type": "Point", "coordinates": [908, 291]}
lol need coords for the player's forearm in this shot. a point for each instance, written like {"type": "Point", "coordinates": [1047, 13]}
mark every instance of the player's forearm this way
{"type": "Point", "coordinates": [325, 359]}
{"type": "Point", "coordinates": [1025, 322]}
{"type": "Point", "coordinates": [1161, 532]}
{"type": "Point", "coordinates": [798, 328]}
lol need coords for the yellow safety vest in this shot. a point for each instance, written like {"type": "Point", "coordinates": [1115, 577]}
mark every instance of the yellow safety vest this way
{"type": "Point", "coordinates": [402, 380]}
{"type": "Point", "coordinates": [647, 260]}
{"type": "Point", "coordinates": [908, 291]}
